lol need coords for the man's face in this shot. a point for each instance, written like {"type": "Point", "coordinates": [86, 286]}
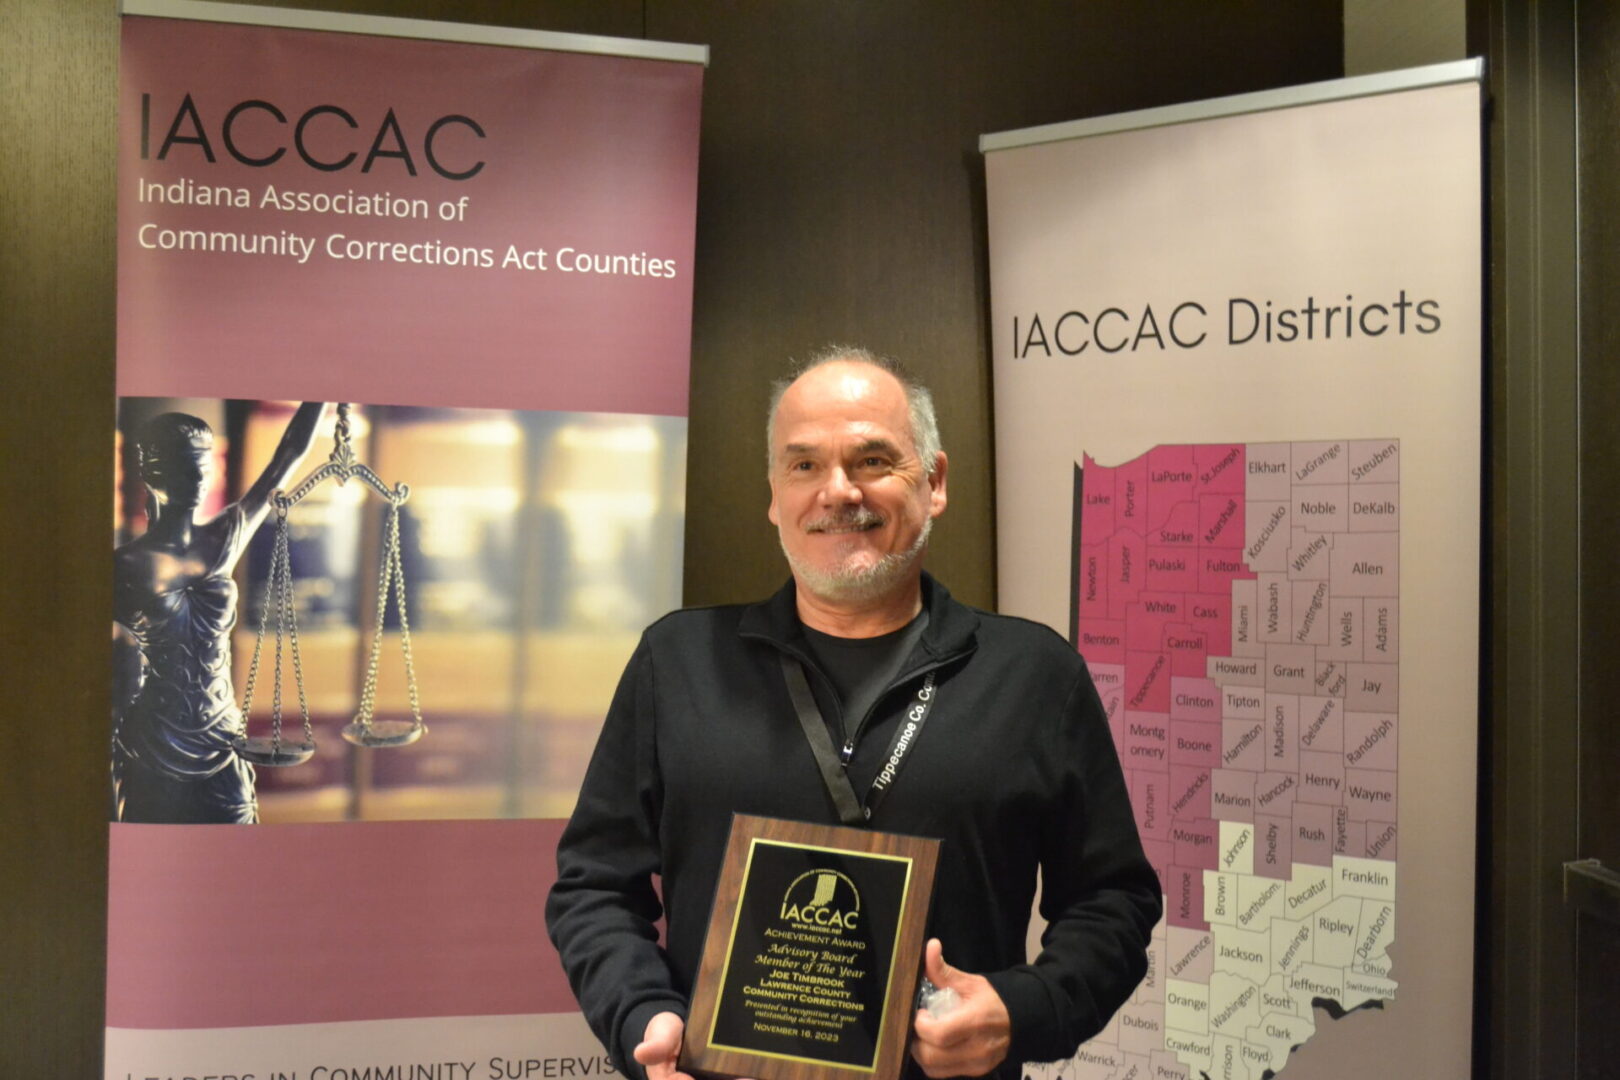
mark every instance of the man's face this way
{"type": "Point", "coordinates": [849, 496]}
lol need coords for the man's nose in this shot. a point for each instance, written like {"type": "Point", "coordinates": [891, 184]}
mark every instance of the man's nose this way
{"type": "Point", "coordinates": [839, 487]}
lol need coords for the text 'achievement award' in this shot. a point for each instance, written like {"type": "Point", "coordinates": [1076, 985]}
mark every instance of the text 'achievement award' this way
{"type": "Point", "coordinates": [813, 954]}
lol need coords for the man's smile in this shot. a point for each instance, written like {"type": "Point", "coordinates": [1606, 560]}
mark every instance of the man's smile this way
{"type": "Point", "coordinates": [857, 520]}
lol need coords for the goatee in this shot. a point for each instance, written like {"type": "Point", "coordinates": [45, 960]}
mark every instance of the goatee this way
{"type": "Point", "coordinates": [861, 584]}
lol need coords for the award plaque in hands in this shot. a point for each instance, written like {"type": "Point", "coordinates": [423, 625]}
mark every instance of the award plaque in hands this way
{"type": "Point", "coordinates": [813, 954]}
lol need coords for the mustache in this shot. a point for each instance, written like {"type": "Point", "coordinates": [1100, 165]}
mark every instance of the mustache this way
{"type": "Point", "coordinates": [850, 519]}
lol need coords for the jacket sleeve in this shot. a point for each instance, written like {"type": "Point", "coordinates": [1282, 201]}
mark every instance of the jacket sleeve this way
{"type": "Point", "coordinates": [603, 911]}
{"type": "Point", "coordinates": [1100, 897]}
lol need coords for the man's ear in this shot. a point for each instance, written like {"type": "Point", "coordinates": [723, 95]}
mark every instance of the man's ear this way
{"type": "Point", "coordinates": [770, 511]}
{"type": "Point", "coordinates": [936, 484]}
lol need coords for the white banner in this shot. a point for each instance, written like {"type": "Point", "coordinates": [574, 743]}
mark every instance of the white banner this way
{"type": "Point", "coordinates": [1237, 378]}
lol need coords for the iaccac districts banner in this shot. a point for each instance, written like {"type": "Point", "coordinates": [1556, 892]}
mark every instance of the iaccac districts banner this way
{"type": "Point", "coordinates": [1237, 386]}
{"type": "Point", "coordinates": [404, 318]}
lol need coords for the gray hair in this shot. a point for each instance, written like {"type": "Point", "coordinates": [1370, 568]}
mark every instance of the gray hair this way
{"type": "Point", "coordinates": [919, 401]}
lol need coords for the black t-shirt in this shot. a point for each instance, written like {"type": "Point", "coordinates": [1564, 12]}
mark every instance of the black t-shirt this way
{"type": "Point", "coordinates": [861, 669]}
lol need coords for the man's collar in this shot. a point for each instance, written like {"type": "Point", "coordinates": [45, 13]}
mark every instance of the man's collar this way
{"type": "Point", "coordinates": [951, 626]}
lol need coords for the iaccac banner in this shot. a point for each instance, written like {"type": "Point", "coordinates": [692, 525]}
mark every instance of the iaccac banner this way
{"type": "Point", "coordinates": [1237, 375]}
{"type": "Point", "coordinates": [403, 342]}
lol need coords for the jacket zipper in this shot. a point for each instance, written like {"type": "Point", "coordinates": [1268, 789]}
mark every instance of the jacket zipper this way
{"type": "Point", "coordinates": [847, 751]}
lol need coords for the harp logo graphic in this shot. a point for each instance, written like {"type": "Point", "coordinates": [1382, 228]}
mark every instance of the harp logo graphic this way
{"type": "Point", "coordinates": [822, 898]}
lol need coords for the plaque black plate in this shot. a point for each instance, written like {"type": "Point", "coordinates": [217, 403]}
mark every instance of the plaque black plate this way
{"type": "Point", "coordinates": [813, 953]}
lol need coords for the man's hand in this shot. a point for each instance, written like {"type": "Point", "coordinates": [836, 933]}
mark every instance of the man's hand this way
{"type": "Point", "coordinates": [973, 1038]}
{"type": "Point", "coordinates": [660, 1046]}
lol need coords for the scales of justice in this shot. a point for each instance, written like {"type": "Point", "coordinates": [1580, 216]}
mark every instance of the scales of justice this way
{"type": "Point", "coordinates": [364, 730]}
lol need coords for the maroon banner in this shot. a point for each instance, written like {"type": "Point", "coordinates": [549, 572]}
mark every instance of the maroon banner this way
{"type": "Point", "coordinates": [322, 923]}
{"type": "Point", "coordinates": [334, 216]}
{"type": "Point", "coordinates": [362, 650]}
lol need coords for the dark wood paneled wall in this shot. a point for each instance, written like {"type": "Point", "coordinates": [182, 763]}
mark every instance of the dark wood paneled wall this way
{"type": "Point", "coordinates": [58, 86]}
{"type": "Point", "coordinates": [841, 199]}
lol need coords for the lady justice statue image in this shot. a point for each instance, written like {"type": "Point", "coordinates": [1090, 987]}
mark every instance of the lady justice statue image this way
{"type": "Point", "coordinates": [177, 724]}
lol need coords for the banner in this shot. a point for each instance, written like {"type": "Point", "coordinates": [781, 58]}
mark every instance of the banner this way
{"type": "Point", "coordinates": [378, 630]}
{"type": "Point", "coordinates": [1237, 388]}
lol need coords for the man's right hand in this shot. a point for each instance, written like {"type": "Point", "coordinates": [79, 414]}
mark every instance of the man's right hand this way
{"type": "Point", "coordinates": [660, 1047]}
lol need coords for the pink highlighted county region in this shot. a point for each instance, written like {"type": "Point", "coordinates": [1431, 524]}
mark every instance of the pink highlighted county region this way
{"type": "Point", "coordinates": [1172, 489]}
{"type": "Point", "coordinates": [1158, 545]}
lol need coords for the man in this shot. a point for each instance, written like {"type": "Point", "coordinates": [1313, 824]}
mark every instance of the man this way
{"type": "Point", "coordinates": [1014, 769]}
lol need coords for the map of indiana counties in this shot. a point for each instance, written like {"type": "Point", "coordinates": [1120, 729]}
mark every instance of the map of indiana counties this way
{"type": "Point", "coordinates": [1239, 608]}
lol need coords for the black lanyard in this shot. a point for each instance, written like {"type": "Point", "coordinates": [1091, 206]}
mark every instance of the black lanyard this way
{"type": "Point", "coordinates": [851, 811]}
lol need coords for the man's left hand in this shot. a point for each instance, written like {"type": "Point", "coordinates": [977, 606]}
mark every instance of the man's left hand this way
{"type": "Point", "coordinates": [971, 1039]}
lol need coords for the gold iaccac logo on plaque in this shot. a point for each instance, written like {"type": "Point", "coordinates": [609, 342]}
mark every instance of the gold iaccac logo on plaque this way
{"type": "Point", "coordinates": [810, 901]}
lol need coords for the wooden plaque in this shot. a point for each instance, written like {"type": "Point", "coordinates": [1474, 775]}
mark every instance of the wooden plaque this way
{"type": "Point", "coordinates": [813, 954]}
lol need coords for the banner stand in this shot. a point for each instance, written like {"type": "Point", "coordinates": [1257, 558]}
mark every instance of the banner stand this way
{"type": "Point", "coordinates": [1237, 353]}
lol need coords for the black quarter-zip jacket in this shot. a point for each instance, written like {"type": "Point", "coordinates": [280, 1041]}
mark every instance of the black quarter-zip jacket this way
{"type": "Point", "coordinates": [1015, 771]}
